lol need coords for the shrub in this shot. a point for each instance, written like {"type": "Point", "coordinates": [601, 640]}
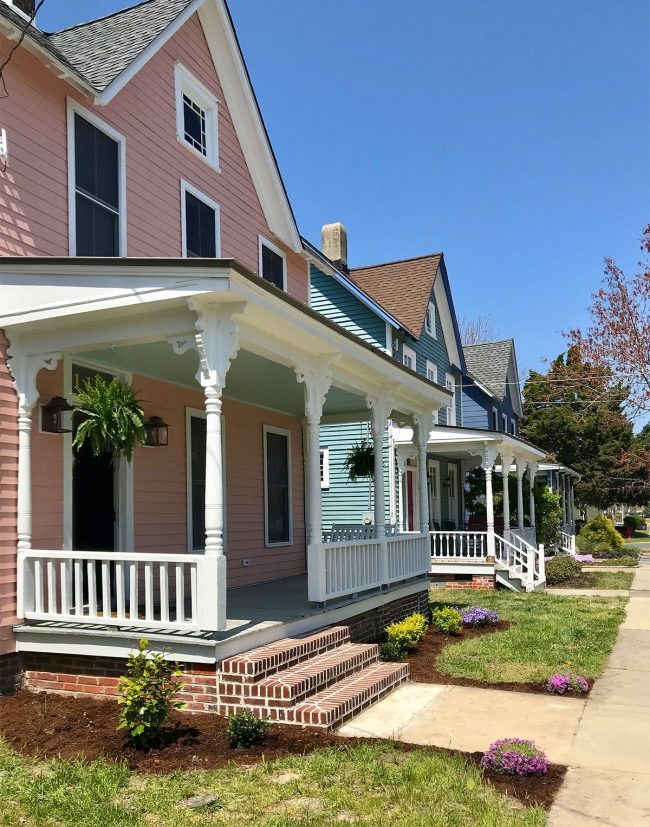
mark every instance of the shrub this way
{"type": "Point", "coordinates": [635, 521]}
{"type": "Point", "coordinates": [477, 616]}
{"type": "Point", "coordinates": [244, 729]}
{"type": "Point", "coordinates": [562, 567]}
{"type": "Point", "coordinates": [560, 684]}
{"type": "Point", "coordinates": [599, 535]}
{"type": "Point", "coordinates": [624, 561]}
{"type": "Point", "coordinates": [391, 651]}
{"type": "Point", "coordinates": [624, 551]}
{"type": "Point", "coordinates": [447, 620]}
{"type": "Point", "coordinates": [408, 632]}
{"type": "Point", "coordinates": [515, 756]}
{"type": "Point", "coordinates": [146, 696]}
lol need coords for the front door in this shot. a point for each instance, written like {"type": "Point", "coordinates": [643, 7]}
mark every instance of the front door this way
{"type": "Point", "coordinates": [434, 493]}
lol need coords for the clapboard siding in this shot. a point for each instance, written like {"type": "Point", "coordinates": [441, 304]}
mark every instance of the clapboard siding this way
{"type": "Point", "coordinates": [477, 407]}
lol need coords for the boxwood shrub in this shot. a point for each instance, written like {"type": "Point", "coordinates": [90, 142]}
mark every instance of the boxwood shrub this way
{"type": "Point", "coordinates": [561, 568]}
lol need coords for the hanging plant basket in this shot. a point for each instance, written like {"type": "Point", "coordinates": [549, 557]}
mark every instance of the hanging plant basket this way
{"type": "Point", "coordinates": [360, 462]}
{"type": "Point", "coordinates": [113, 421]}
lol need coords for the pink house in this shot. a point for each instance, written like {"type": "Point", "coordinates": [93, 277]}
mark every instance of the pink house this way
{"type": "Point", "coordinates": [146, 234]}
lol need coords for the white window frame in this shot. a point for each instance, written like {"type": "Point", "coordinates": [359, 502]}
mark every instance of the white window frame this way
{"type": "Point", "coordinates": [433, 368]}
{"type": "Point", "coordinates": [186, 83]}
{"type": "Point", "coordinates": [430, 320]}
{"type": "Point", "coordinates": [504, 423]}
{"type": "Point", "coordinates": [200, 413]}
{"type": "Point", "coordinates": [264, 242]}
{"type": "Point", "coordinates": [495, 420]}
{"type": "Point", "coordinates": [451, 419]}
{"type": "Point", "coordinates": [185, 188]}
{"type": "Point", "coordinates": [513, 426]}
{"type": "Point", "coordinates": [409, 353]}
{"type": "Point", "coordinates": [271, 429]}
{"type": "Point", "coordinates": [325, 465]}
{"type": "Point", "coordinates": [74, 108]}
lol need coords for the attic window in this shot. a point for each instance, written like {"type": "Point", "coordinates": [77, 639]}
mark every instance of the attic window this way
{"type": "Point", "coordinates": [430, 320]}
{"type": "Point", "coordinates": [196, 116]}
{"type": "Point", "coordinates": [272, 263]}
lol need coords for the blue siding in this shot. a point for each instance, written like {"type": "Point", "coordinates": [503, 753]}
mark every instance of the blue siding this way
{"type": "Point", "coordinates": [477, 406]}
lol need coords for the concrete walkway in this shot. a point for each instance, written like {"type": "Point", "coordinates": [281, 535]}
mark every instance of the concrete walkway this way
{"type": "Point", "coordinates": [590, 592]}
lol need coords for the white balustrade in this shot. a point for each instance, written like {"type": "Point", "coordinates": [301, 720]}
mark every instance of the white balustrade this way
{"type": "Point", "coordinates": [568, 542]}
{"type": "Point", "coordinates": [521, 559]}
{"type": "Point", "coordinates": [408, 556]}
{"type": "Point", "coordinates": [115, 589]}
{"type": "Point", "coordinates": [458, 545]}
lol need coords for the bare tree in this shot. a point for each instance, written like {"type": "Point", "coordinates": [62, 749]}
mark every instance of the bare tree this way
{"type": "Point", "coordinates": [478, 330]}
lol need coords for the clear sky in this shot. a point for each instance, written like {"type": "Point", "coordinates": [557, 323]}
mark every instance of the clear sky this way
{"type": "Point", "coordinates": [514, 136]}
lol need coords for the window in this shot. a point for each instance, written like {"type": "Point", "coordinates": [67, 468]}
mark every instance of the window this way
{"type": "Point", "coordinates": [432, 371]}
{"type": "Point", "coordinates": [273, 264]}
{"type": "Point", "coordinates": [196, 116]}
{"type": "Point", "coordinates": [277, 485]}
{"type": "Point", "coordinates": [196, 439]}
{"type": "Point", "coordinates": [495, 420]}
{"type": "Point", "coordinates": [324, 467]}
{"type": "Point", "coordinates": [200, 224]}
{"type": "Point", "coordinates": [504, 423]}
{"type": "Point", "coordinates": [408, 357]}
{"type": "Point", "coordinates": [96, 179]}
{"type": "Point", "coordinates": [430, 320]}
{"type": "Point", "coordinates": [513, 427]}
{"type": "Point", "coordinates": [450, 384]}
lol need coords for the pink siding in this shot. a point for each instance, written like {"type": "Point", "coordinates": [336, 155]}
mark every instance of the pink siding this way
{"type": "Point", "coordinates": [33, 196]}
{"type": "Point", "coordinates": [8, 483]}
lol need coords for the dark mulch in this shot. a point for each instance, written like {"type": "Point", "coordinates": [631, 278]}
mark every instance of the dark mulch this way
{"type": "Point", "coordinates": [48, 726]}
{"type": "Point", "coordinates": [422, 661]}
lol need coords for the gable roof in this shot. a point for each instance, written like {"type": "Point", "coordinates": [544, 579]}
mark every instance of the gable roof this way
{"type": "Point", "coordinates": [402, 287]}
{"type": "Point", "coordinates": [489, 363]}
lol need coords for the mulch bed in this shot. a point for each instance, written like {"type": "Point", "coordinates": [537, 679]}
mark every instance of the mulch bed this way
{"type": "Point", "coordinates": [422, 662]}
{"type": "Point", "coordinates": [48, 726]}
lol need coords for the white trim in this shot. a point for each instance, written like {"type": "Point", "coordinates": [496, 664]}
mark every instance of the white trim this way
{"type": "Point", "coordinates": [325, 467]}
{"type": "Point", "coordinates": [444, 311]}
{"type": "Point", "coordinates": [271, 429]}
{"type": "Point", "coordinates": [200, 413]}
{"type": "Point", "coordinates": [432, 368]}
{"type": "Point", "coordinates": [494, 422]}
{"type": "Point", "coordinates": [409, 353]}
{"type": "Point", "coordinates": [75, 108]}
{"type": "Point", "coordinates": [185, 83]}
{"type": "Point", "coordinates": [504, 423]}
{"type": "Point", "coordinates": [389, 339]}
{"type": "Point", "coordinates": [451, 406]}
{"type": "Point", "coordinates": [430, 316]}
{"type": "Point", "coordinates": [185, 188]}
{"type": "Point", "coordinates": [262, 241]}
{"type": "Point", "coordinates": [513, 426]}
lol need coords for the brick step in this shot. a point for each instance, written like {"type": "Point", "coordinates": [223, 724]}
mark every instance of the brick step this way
{"type": "Point", "coordinates": [267, 660]}
{"type": "Point", "coordinates": [289, 686]}
{"type": "Point", "coordinates": [350, 696]}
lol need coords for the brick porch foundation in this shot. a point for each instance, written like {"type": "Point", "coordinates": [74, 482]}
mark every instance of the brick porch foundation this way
{"type": "Point", "coordinates": [476, 582]}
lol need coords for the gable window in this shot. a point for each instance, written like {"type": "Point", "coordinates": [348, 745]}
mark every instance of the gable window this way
{"type": "Point", "coordinates": [408, 357]}
{"type": "Point", "coordinates": [277, 486]}
{"type": "Point", "coordinates": [430, 320]}
{"type": "Point", "coordinates": [200, 224]}
{"type": "Point", "coordinates": [325, 467]}
{"type": "Point", "coordinates": [96, 179]}
{"type": "Point", "coordinates": [513, 427]}
{"type": "Point", "coordinates": [495, 420]}
{"type": "Point", "coordinates": [272, 264]}
{"type": "Point", "coordinates": [196, 116]}
{"type": "Point", "coordinates": [450, 384]}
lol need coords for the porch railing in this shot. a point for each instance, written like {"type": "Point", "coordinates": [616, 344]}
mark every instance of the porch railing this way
{"type": "Point", "coordinates": [349, 567]}
{"type": "Point", "coordinates": [521, 559]}
{"type": "Point", "coordinates": [528, 534]}
{"type": "Point", "coordinates": [458, 545]}
{"type": "Point", "coordinates": [567, 542]}
{"type": "Point", "coordinates": [170, 591]}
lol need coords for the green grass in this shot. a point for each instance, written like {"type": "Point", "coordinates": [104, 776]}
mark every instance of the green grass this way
{"type": "Point", "coordinates": [636, 536]}
{"type": "Point", "coordinates": [599, 580]}
{"type": "Point", "coordinates": [366, 785]}
{"type": "Point", "coordinates": [550, 633]}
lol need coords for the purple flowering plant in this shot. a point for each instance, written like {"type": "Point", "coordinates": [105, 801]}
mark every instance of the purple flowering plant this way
{"type": "Point", "coordinates": [515, 756]}
{"type": "Point", "coordinates": [477, 616]}
{"type": "Point", "coordinates": [584, 558]}
{"type": "Point", "coordinates": [560, 684]}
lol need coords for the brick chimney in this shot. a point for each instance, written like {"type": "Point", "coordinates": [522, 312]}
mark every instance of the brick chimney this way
{"type": "Point", "coordinates": [335, 244]}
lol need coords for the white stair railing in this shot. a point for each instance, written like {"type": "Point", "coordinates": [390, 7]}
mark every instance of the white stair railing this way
{"type": "Point", "coordinates": [458, 545]}
{"type": "Point", "coordinates": [521, 560]}
{"type": "Point", "coordinates": [568, 542]}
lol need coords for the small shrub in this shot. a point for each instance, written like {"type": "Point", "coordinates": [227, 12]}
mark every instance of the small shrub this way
{"type": "Point", "coordinates": [447, 620]}
{"type": "Point", "coordinates": [391, 651]}
{"type": "Point", "coordinates": [408, 632]}
{"type": "Point", "coordinates": [623, 561]}
{"type": "Point", "coordinates": [146, 696]}
{"type": "Point", "coordinates": [560, 684]}
{"type": "Point", "coordinates": [599, 535]}
{"type": "Point", "coordinates": [615, 556]}
{"type": "Point", "coordinates": [244, 729]}
{"type": "Point", "coordinates": [561, 568]}
{"type": "Point", "coordinates": [515, 756]}
{"type": "Point", "coordinates": [477, 616]}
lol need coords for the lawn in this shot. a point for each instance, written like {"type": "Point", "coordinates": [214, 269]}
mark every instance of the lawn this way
{"type": "Point", "coordinates": [365, 785]}
{"type": "Point", "coordinates": [599, 580]}
{"type": "Point", "coordinates": [549, 633]}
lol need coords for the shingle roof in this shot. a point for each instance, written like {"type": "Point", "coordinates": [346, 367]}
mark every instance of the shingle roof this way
{"type": "Point", "coordinates": [101, 49]}
{"type": "Point", "coordinates": [402, 287]}
{"type": "Point", "coordinates": [489, 362]}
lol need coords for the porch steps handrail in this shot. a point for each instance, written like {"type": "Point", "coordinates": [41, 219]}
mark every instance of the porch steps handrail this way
{"type": "Point", "coordinates": [521, 560]}
{"type": "Point", "coordinates": [459, 545]}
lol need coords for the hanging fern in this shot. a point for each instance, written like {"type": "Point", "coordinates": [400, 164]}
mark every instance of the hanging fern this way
{"type": "Point", "coordinates": [360, 462]}
{"type": "Point", "coordinates": [113, 419]}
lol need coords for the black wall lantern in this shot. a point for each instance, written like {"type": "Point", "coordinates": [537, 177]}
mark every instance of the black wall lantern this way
{"type": "Point", "coordinates": [157, 432]}
{"type": "Point", "coordinates": [52, 415]}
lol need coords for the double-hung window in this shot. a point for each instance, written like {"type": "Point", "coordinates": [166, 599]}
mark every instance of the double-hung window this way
{"type": "Point", "coordinates": [200, 217]}
{"type": "Point", "coordinates": [513, 427]}
{"type": "Point", "coordinates": [197, 117]}
{"type": "Point", "coordinates": [450, 384]}
{"type": "Point", "coordinates": [96, 160]}
{"type": "Point", "coordinates": [432, 374]}
{"type": "Point", "coordinates": [408, 357]}
{"type": "Point", "coordinates": [504, 423]}
{"type": "Point", "coordinates": [430, 320]}
{"type": "Point", "coordinates": [272, 263]}
{"type": "Point", "coordinates": [277, 486]}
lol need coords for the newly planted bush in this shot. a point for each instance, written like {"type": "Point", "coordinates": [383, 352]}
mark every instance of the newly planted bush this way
{"type": "Point", "coordinates": [391, 651]}
{"type": "Point", "coordinates": [560, 684]}
{"type": "Point", "coordinates": [146, 696]}
{"type": "Point", "coordinates": [599, 536]}
{"type": "Point", "coordinates": [244, 729]}
{"type": "Point", "coordinates": [515, 756]}
{"type": "Point", "coordinates": [447, 620]}
{"type": "Point", "coordinates": [476, 617]}
{"type": "Point", "coordinates": [408, 632]}
{"type": "Point", "coordinates": [561, 568]}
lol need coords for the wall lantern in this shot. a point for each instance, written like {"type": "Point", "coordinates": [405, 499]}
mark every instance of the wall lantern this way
{"type": "Point", "coordinates": [52, 415]}
{"type": "Point", "coordinates": [157, 431]}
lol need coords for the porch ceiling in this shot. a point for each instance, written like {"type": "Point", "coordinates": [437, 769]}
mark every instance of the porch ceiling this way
{"type": "Point", "coordinates": [251, 378]}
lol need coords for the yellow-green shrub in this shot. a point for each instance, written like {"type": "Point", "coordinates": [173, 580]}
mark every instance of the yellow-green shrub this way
{"type": "Point", "coordinates": [408, 632]}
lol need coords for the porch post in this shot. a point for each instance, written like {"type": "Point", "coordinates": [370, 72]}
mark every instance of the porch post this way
{"type": "Point", "coordinates": [488, 457]}
{"type": "Point", "coordinates": [572, 506]}
{"type": "Point", "coordinates": [562, 482]}
{"type": "Point", "coordinates": [381, 407]}
{"type": "Point", "coordinates": [506, 462]}
{"type": "Point", "coordinates": [532, 471]}
{"type": "Point", "coordinates": [521, 470]}
{"type": "Point", "coordinates": [421, 429]}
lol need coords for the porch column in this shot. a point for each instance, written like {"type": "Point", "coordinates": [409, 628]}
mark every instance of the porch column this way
{"type": "Point", "coordinates": [422, 425]}
{"type": "Point", "coordinates": [381, 407]}
{"type": "Point", "coordinates": [532, 471]}
{"type": "Point", "coordinates": [506, 462]}
{"type": "Point", "coordinates": [572, 505]}
{"type": "Point", "coordinates": [488, 458]}
{"type": "Point", "coordinates": [521, 470]}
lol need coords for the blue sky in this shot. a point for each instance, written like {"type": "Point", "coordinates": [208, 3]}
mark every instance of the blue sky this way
{"type": "Point", "coordinates": [513, 136]}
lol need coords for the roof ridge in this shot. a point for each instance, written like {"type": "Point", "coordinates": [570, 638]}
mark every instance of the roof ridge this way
{"type": "Point", "coordinates": [397, 261]}
{"type": "Point", "coordinates": [491, 342]}
{"type": "Point", "coordinates": [103, 17]}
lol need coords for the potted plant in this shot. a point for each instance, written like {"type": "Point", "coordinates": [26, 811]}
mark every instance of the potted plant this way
{"type": "Point", "coordinates": [360, 462]}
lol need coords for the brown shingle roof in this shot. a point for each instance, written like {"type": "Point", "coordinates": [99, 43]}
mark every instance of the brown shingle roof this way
{"type": "Point", "coordinates": [402, 287]}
